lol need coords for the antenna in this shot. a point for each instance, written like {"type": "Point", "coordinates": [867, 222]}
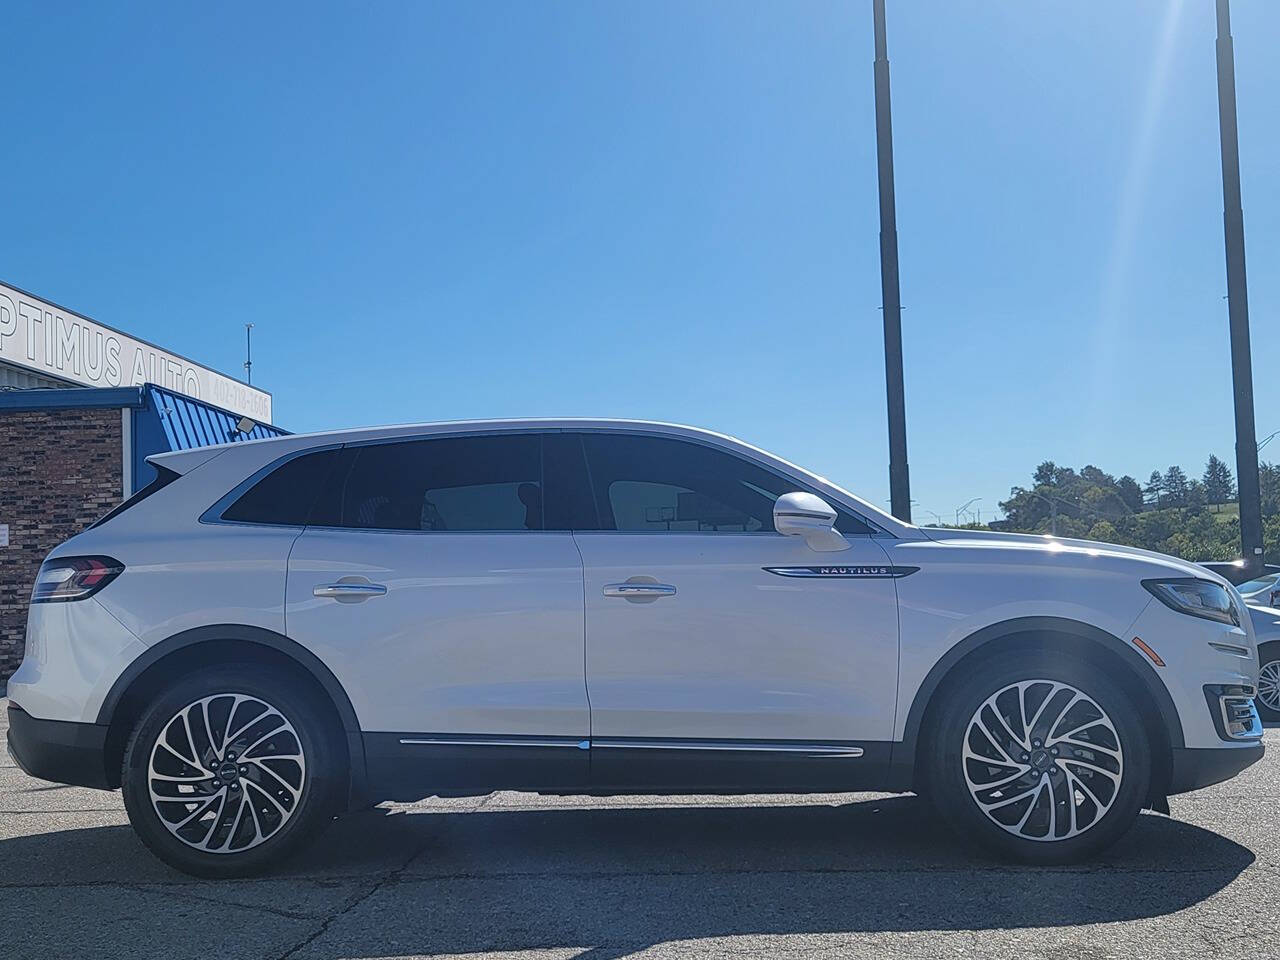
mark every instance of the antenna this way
{"type": "Point", "coordinates": [248, 353]}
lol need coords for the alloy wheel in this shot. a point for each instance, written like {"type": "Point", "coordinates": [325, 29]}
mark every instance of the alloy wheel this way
{"type": "Point", "coordinates": [1269, 685]}
{"type": "Point", "coordinates": [1042, 760]}
{"type": "Point", "coordinates": [226, 773]}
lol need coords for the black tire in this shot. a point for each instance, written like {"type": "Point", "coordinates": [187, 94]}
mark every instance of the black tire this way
{"type": "Point", "coordinates": [1101, 819]}
{"type": "Point", "coordinates": [1268, 655]}
{"type": "Point", "coordinates": [286, 822]}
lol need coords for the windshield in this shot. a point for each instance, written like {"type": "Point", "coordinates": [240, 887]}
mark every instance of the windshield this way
{"type": "Point", "coordinates": [1257, 586]}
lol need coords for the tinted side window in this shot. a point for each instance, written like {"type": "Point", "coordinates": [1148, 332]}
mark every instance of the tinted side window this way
{"type": "Point", "coordinates": [449, 484]}
{"type": "Point", "coordinates": [284, 495]}
{"type": "Point", "coordinates": [659, 484]}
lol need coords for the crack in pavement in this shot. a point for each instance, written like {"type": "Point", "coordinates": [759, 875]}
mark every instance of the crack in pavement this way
{"type": "Point", "coordinates": [390, 878]}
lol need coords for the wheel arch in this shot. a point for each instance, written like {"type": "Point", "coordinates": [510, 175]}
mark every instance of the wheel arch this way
{"type": "Point", "coordinates": [219, 643]}
{"type": "Point", "coordinates": [1135, 674]}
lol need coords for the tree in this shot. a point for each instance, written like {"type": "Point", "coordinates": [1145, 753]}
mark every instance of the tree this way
{"type": "Point", "coordinates": [1094, 505]}
{"type": "Point", "coordinates": [1044, 473]}
{"type": "Point", "coordinates": [1104, 531]}
{"type": "Point", "coordinates": [1096, 476]}
{"type": "Point", "coordinates": [1269, 482]}
{"type": "Point", "coordinates": [1130, 493]}
{"type": "Point", "coordinates": [1154, 488]}
{"type": "Point", "coordinates": [1197, 495]}
{"type": "Point", "coordinates": [1175, 487]}
{"type": "Point", "coordinates": [1219, 485]}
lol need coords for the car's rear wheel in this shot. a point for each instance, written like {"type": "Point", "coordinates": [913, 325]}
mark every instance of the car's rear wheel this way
{"type": "Point", "coordinates": [1038, 757]}
{"type": "Point", "coordinates": [1268, 699]}
{"type": "Point", "coordinates": [229, 771]}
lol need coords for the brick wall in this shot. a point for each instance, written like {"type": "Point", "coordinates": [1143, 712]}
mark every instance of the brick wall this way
{"type": "Point", "coordinates": [60, 470]}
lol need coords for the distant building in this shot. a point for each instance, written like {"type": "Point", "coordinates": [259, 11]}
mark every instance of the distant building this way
{"type": "Point", "coordinates": [82, 406]}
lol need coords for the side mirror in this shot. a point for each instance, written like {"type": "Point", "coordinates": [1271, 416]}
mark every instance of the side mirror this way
{"type": "Point", "coordinates": [809, 516]}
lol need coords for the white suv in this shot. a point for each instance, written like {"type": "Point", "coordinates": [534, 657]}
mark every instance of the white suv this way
{"type": "Point", "coordinates": [274, 632]}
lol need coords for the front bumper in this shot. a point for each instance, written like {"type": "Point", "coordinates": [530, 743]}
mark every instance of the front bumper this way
{"type": "Point", "coordinates": [1193, 769]}
{"type": "Point", "coordinates": [58, 750]}
{"type": "Point", "coordinates": [1202, 662]}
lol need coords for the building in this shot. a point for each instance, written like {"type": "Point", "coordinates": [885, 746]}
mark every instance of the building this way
{"type": "Point", "coordinates": [82, 406]}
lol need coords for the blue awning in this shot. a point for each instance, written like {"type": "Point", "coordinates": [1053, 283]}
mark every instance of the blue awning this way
{"type": "Point", "coordinates": [168, 421]}
{"type": "Point", "coordinates": [189, 423]}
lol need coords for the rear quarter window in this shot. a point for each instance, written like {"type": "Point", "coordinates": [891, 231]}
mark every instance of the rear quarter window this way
{"type": "Point", "coordinates": [286, 494]}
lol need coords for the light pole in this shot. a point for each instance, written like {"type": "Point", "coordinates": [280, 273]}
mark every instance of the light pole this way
{"type": "Point", "coordinates": [1250, 496]}
{"type": "Point", "coordinates": [890, 296]}
{"type": "Point", "coordinates": [965, 508]}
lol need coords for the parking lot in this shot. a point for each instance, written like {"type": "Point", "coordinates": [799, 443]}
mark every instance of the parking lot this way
{"type": "Point", "coordinates": [852, 875]}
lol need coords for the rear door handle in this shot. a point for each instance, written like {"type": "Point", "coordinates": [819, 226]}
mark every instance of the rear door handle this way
{"type": "Point", "coordinates": [639, 592]}
{"type": "Point", "coordinates": [346, 592]}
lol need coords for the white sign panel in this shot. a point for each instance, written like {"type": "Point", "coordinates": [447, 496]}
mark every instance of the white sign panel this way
{"type": "Point", "coordinates": [50, 340]}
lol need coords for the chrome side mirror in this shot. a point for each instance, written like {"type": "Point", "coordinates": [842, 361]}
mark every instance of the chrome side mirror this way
{"type": "Point", "coordinates": [808, 515]}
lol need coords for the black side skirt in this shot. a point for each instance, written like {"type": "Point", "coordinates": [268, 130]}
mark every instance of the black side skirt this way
{"type": "Point", "coordinates": [409, 766]}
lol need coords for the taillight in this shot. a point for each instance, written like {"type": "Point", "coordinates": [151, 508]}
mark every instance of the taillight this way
{"type": "Point", "coordinates": [73, 578]}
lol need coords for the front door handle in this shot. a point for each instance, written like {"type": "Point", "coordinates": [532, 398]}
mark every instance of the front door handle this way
{"type": "Point", "coordinates": [346, 591]}
{"type": "Point", "coordinates": [639, 592]}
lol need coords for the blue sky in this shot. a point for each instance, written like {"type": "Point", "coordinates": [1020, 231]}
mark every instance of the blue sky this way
{"type": "Point", "coordinates": [668, 210]}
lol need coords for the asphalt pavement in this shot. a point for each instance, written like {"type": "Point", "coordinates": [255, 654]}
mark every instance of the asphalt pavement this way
{"type": "Point", "coordinates": [518, 875]}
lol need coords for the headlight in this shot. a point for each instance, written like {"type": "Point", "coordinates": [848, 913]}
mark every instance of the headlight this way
{"type": "Point", "coordinates": [74, 578]}
{"type": "Point", "coordinates": [1199, 598]}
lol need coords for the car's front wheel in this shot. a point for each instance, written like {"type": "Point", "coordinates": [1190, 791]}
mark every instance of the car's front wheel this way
{"type": "Point", "coordinates": [1039, 757]}
{"type": "Point", "coordinates": [230, 770]}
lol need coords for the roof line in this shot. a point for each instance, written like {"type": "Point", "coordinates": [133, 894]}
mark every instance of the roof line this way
{"type": "Point", "coordinates": [70, 398]}
{"type": "Point", "coordinates": [107, 326]}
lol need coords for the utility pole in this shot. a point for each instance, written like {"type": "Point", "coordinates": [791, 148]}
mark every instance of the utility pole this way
{"type": "Point", "coordinates": [248, 353]}
{"type": "Point", "coordinates": [899, 476]}
{"type": "Point", "coordinates": [1238, 302]}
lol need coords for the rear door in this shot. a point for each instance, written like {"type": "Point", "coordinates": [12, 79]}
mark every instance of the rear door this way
{"type": "Point", "coordinates": [454, 620]}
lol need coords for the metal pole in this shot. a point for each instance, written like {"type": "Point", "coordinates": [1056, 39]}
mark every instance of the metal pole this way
{"type": "Point", "coordinates": [899, 476]}
{"type": "Point", "coordinates": [248, 353]}
{"type": "Point", "coordinates": [1238, 301]}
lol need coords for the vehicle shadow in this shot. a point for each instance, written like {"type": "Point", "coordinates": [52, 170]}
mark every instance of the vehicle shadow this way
{"type": "Point", "coordinates": [616, 879]}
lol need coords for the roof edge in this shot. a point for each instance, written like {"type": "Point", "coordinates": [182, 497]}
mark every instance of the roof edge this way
{"type": "Point", "coordinates": [70, 398]}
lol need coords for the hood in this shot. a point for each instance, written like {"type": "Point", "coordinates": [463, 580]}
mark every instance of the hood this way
{"type": "Point", "coordinates": [1266, 622]}
{"type": "Point", "coordinates": [1085, 549]}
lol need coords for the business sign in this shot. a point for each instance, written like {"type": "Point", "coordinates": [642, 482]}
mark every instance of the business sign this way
{"type": "Point", "coordinates": [48, 339]}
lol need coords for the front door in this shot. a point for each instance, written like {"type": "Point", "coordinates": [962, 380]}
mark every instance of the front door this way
{"type": "Point", "coordinates": [454, 621]}
{"type": "Point", "coordinates": [717, 649]}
